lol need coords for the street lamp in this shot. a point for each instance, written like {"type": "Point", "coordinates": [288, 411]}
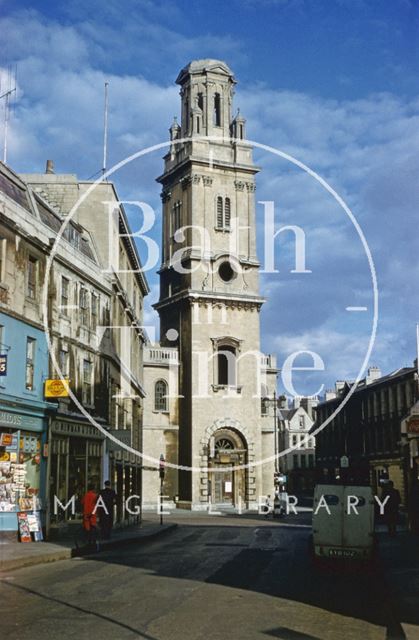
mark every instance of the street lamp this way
{"type": "Point", "coordinates": [268, 401]}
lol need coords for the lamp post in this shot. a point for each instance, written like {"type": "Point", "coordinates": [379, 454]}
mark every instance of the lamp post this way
{"type": "Point", "coordinates": [162, 465]}
{"type": "Point", "coordinates": [276, 448]}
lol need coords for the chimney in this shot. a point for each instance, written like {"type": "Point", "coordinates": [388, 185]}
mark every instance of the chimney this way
{"type": "Point", "coordinates": [373, 374]}
{"type": "Point", "coordinates": [49, 167]}
{"type": "Point", "coordinates": [330, 394]}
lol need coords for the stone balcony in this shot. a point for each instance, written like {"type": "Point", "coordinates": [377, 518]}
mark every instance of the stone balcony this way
{"type": "Point", "coordinates": [157, 355]}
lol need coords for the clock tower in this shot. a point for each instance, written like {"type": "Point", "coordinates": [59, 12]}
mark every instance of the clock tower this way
{"type": "Point", "coordinates": [209, 303]}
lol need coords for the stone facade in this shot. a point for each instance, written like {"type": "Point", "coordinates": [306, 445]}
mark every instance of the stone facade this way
{"type": "Point", "coordinates": [112, 325]}
{"type": "Point", "coordinates": [210, 299]}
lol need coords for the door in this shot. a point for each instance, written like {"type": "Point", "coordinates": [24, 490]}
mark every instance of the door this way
{"type": "Point", "coordinates": [223, 485]}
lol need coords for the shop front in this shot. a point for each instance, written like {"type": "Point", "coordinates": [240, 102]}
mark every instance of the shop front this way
{"type": "Point", "coordinates": [76, 460]}
{"type": "Point", "coordinates": [125, 476]}
{"type": "Point", "coordinates": [410, 435]}
{"type": "Point", "coordinates": [22, 467]}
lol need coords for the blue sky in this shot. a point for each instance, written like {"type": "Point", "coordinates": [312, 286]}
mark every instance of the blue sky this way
{"type": "Point", "coordinates": [334, 83]}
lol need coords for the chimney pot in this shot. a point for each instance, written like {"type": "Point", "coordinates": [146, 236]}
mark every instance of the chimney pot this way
{"type": "Point", "coordinates": [50, 167]}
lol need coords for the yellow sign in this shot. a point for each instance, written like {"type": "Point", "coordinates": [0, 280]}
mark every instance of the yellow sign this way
{"type": "Point", "coordinates": [56, 388]}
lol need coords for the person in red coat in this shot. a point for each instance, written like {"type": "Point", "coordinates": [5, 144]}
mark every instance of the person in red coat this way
{"type": "Point", "coordinates": [89, 513]}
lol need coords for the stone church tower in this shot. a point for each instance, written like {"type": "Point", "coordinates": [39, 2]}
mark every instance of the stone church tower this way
{"type": "Point", "coordinates": [210, 303]}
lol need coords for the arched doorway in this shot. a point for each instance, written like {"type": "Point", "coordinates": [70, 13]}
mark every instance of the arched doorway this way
{"type": "Point", "coordinates": [227, 485]}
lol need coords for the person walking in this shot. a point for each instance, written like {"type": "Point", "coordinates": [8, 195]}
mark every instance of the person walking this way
{"type": "Point", "coordinates": [391, 508]}
{"type": "Point", "coordinates": [107, 501]}
{"type": "Point", "coordinates": [88, 502]}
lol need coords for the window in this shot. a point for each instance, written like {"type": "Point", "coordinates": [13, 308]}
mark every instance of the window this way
{"type": "Point", "coordinates": [220, 216]}
{"type": "Point", "coordinates": [217, 110]}
{"type": "Point", "coordinates": [65, 284]}
{"type": "Point", "coordinates": [84, 307]}
{"type": "Point", "coordinates": [223, 213]}
{"type": "Point", "coordinates": [226, 363]}
{"type": "Point", "coordinates": [295, 461]}
{"type": "Point", "coordinates": [63, 362]}
{"type": "Point", "coordinates": [226, 272]}
{"type": "Point", "coordinates": [311, 460]}
{"type": "Point", "coordinates": [30, 362]}
{"type": "Point", "coordinates": [31, 282]}
{"type": "Point", "coordinates": [176, 217]}
{"type": "Point", "coordinates": [160, 396]}
{"type": "Point", "coordinates": [301, 422]}
{"type": "Point", "coordinates": [2, 258]}
{"type": "Point", "coordinates": [87, 382]}
{"type": "Point", "coordinates": [264, 401]}
{"type": "Point", "coordinates": [294, 441]}
{"type": "Point", "coordinates": [303, 461]}
{"type": "Point", "coordinates": [227, 213]}
{"type": "Point", "coordinates": [94, 311]}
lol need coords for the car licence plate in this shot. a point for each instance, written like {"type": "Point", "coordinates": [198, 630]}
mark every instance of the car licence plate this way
{"type": "Point", "coordinates": [342, 553]}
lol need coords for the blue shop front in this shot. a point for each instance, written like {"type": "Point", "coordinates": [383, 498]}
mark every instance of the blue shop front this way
{"type": "Point", "coordinates": [24, 417]}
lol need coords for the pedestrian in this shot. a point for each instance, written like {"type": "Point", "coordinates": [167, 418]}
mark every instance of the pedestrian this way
{"type": "Point", "coordinates": [391, 508]}
{"type": "Point", "coordinates": [268, 506]}
{"type": "Point", "coordinates": [89, 513]}
{"type": "Point", "coordinates": [107, 501]}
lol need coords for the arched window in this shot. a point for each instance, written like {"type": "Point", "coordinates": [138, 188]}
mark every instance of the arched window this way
{"type": "Point", "coordinates": [227, 213]}
{"type": "Point", "coordinates": [226, 365]}
{"type": "Point", "coordinates": [223, 213]}
{"type": "Point", "coordinates": [160, 396]}
{"type": "Point", "coordinates": [220, 216]}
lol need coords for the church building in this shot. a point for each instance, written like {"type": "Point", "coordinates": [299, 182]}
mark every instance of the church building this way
{"type": "Point", "coordinates": [207, 378]}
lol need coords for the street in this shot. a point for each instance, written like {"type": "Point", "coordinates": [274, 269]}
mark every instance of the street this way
{"type": "Point", "coordinates": [216, 578]}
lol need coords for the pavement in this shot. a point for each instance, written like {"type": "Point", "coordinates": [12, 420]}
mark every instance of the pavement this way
{"type": "Point", "coordinates": [15, 555]}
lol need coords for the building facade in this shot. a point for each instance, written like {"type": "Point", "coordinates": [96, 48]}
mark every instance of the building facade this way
{"type": "Point", "coordinates": [210, 302]}
{"type": "Point", "coordinates": [294, 432]}
{"type": "Point", "coordinates": [114, 324]}
{"type": "Point", "coordinates": [368, 430]}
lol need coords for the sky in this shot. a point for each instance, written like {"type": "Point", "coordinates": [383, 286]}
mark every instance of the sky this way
{"type": "Point", "coordinates": [333, 83]}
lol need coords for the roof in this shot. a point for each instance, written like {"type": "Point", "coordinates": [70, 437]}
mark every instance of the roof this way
{"type": "Point", "coordinates": [16, 189]}
{"type": "Point", "coordinates": [363, 386]}
{"type": "Point", "coordinates": [203, 66]}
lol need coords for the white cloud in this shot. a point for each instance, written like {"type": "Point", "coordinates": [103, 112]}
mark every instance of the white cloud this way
{"type": "Point", "coordinates": [366, 149]}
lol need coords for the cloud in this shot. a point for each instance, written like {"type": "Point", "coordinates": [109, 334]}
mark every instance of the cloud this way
{"type": "Point", "coordinates": [365, 148]}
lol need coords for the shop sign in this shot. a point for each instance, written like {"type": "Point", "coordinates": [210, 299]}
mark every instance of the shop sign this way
{"type": "Point", "coordinates": [57, 388]}
{"type": "Point", "coordinates": [62, 427]}
{"type": "Point", "coordinates": [413, 425]}
{"type": "Point", "coordinates": [3, 365]}
{"type": "Point", "coordinates": [20, 421]}
{"type": "Point", "coordinates": [6, 439]}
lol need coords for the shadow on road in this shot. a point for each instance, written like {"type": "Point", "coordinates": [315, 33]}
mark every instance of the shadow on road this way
{"type": "Point", "coordinates": [277, 565]}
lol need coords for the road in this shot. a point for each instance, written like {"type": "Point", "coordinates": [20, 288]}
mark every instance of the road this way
{"type": "Point", "coordinates": [218, 580]}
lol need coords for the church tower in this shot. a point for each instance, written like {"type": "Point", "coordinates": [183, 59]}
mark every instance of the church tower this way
{"type": "Point", "coordinates": [209, 294]}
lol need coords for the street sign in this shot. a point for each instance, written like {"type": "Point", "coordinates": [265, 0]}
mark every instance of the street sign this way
{"type": "Point", "coordinates": [3, 365]}
{"type": "Point", "coordinates": [344, 462]}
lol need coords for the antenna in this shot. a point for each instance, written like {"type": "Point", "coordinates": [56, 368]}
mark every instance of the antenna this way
{"type": "Point", "coordinates": [7, 95]}
{"type": "Point", "coordinates": [105, 130]}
